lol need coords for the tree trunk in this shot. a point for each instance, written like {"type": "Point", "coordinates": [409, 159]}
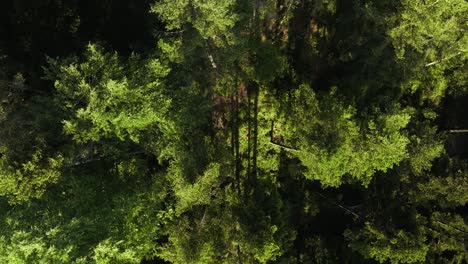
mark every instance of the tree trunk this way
{"type": "Point", "coordinates": [458, 131]}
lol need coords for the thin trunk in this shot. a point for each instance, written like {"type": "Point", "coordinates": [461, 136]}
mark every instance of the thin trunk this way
{"type": "Point", "coordinates": [239, 258]}
{"type": "Point", "coordinates": [249, 142]}
{"type": "Point", "coordinates": [255, 139]}
{"type": "Point", "coordinates": [236, 139]}
{"type": "Point", "coordinates": [232, 126]}
{"type": "Point", "coordinates": [286, 13]}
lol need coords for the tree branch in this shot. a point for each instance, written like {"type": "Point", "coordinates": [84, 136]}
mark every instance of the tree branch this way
{"type": "Point", "coordinates": [340, 206]}
{"type": "Point", "coordinates": [454, 227]}
{"type": "Point", "coordinates": [286, 13]}
{"type": "Point", "coordinates": [458, 131]}
{"type": "Point", "coordinates": [441, 60]}
{"type": "Point", "coordinates": [283, 146]}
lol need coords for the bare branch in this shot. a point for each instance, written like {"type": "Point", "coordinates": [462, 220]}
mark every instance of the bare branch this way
{"type": "Point", "coordinates": [283, 146]}
{"type": "Point", "coordinates": [458, 131]}
{"type": "Point", "coordinates": [441, 60]}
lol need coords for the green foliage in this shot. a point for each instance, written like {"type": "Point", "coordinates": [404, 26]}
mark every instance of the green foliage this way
{"type": "Point", "coordinates": [424, 148]}
{"type": "Point", "coordinates": [106, 99]}
{"type": "Point", "coordinates": [201, 131]}
{"type": "Point", "coordinates": [433, 29]}
{"type": "Point", "coordinates": [210, 19]}
{"type": "Point", "coordinates": [28, 163]}
{"type": "Point", "coordinates": [448, 191]}
{"type": "Point", "coordinates": [198, 193]}
{"type": "Point", "coordinates": [31, 179]}
{"type": "Point", "coordinates": [399, 247]}
{"type": "Point", "coordinates": [448, 234]}
{"type": "Point", "coordinates": [429, 38]}
{"type": "Point", "coordinates": [24, 247]}
{"type": "Point", "coordinates": [92, 217]}
{"type": "Point", "coordinates": [108, 252]}
{"type": "Point", "coordinates": [332, 142]}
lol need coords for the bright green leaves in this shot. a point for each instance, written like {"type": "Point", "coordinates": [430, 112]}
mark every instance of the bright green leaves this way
{"type": "Point", "coordinates": [29, 126]}
{"type": "Point", "coordinates": [430, 40]}
{"type": "Point", "coordinates": [110, 110]}
{"type": "Point", "coordinates": [222, 158]}
{"type": "Point", "coordinates": [195, 233]}
{"type": "Point", "coordinates": [435, 29]}
{"type": "Point", "coordinates": [262, 245]}
{"type": "Point", "coordinates": [105, 98]}
{"type": "Point", "coordinates": [399, 247]}
{"type": "Point", "coordinates": [108, 252]}
{"type": "Point", "coordinates": [174, 13]}
{"type": "Point", "coordinates": [214, 18]}
{"type": "Point", "coordinates": [387, 141]}
{"type": "Point", "coordinates": [424, 148]}
{"type": "Point", "coordinates": [24, 247]}
{"type": "Point", "coordinates": [89, 217]}
{"type": "Point", "coordinates": [31, 179]}
{"type": "Point", "coordinates": [332, 142]}
{"type": "Point", "coordinates": [198, 193]}
{"type": "Point", "coordinates": [211, 19]}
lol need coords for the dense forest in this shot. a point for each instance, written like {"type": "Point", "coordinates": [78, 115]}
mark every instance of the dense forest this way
{"type": "Point", "coordinates": [234, 131]}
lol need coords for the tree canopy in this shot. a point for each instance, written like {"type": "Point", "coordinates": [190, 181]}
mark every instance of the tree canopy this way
{"type": "Point", "coordinates": [233, 131]}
